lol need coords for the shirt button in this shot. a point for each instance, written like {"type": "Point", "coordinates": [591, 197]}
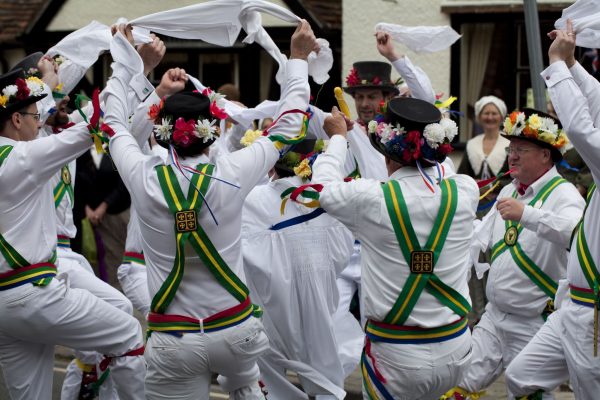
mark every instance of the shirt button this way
{"type": "Point", "coordinates": [547, 77]}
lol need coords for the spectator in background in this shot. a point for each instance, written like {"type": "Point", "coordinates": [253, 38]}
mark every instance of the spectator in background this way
{"type": "Point", "coordinates": [485, 157]}
{"type": "Point", "coordinates": [231, 92]}
{"type": "Point", "coordinates": [101, 197]}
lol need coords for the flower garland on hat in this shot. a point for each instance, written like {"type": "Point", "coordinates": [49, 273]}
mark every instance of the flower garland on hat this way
{"type": "Point", "coordinates": [353, 79]}
{"type": "Point", "coordinates": [433, 142]}
{"type": "Point", "coordinates": [536, 127]}
{"type": "Point", "coordinates": [183, 133]}
{"type": "Point", "coordinates": [21, 90]}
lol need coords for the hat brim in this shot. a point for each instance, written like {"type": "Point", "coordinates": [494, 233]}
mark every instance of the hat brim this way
{"type": "Point", "coordinates": [386, 88]}
{"type": "Point", "coordinates": [16, 106]}
{"type": "Point", "coordinates": [555, 153]}
{"type": "Point", "coordinates": [380, 148]}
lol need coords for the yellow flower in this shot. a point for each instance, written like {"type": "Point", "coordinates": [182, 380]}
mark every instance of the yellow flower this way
{"type": "Point", "coordinates": [535, 121]}
{"type": "Point", "coordinates": [3, 101]}
{"type": "Point", "coordinates": [303, 169]}
{"type": "Point", "coordinates": [250, 136]}
{"type": "Point", "coordinates": [35, 79]}
{"type": "Point", "coordinates": [547, 137]}
{"type": "Point", "coordinates": [508, 126]}
{"type": "Point", "coordinates": [59, 87]}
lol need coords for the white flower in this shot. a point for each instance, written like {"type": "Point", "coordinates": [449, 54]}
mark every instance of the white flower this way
{"type": "Point", "coordinates": [548, 125]}
{"type": "Point", "coordinates": [372, 126]}
{"type": "Point", "coordinates": [519, 124]}
{"type": "Point", "coordinates": [10, 90]}
{"type": "Point", "coordinates": [386, 133]}
{"type": "Point", "coordinates": [163, 131]}
{"type": "Point", "coordinates": [450, 128]}
{"type": "Point", "coordinates": [35, 89]}
{"type": "Point", "coordinates": [434, 134]}
{"type": "Point", "coordinates": [205, 129]}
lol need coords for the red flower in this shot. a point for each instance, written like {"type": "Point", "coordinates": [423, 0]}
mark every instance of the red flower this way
{"type": "Point", "coordinates": [22, 89]}
{"type": "Point", "coordinates": [413, 148]}
{"type": "Point", "coordinates": [376, 81]}
{"type": "Point", "coordinates": [155, 110]}
{"type": "Point", "coordinates": [217, 112]}
{"type": "Point", "coordinates": [445, 148]}
{"type": "Point", "coordinates": [207, 92]}
{"type": "Point", "coordinates": [353, 79]}
{"type": "Point", "coordinates": [184, 132]}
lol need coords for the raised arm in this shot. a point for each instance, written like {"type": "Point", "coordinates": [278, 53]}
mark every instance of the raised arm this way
{"type": "Point", "coordinates": [571, 105]}
{"type": "Point", "coordinates": [416, 79]}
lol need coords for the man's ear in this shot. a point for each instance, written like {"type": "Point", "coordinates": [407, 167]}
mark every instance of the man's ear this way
{"type": "Point", "coordinates": [16, 119]}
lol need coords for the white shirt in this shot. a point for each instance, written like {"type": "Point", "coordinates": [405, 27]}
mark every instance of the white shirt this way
{"type": "Point", "coordinates": [27, 216]}
{"type": "Point", "coordinates": [360, 205]}
{"type": "Point", "coordinates": [576, 99]}
{"type": "Point", "coordinates": [199, 294]}
{"type": "Point", "coordinates": [544, 239]}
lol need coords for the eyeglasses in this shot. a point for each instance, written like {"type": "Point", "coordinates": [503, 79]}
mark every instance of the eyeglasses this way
{"type": "Point", "coordinates": [519, 151]}
{"type": "Point", "coordinates": [35, 116]}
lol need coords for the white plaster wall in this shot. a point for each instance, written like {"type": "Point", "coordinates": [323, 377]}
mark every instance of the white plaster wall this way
{"type": "Point", "coordinates": [76, 14]}
{"type": "Point", "coordinates": [359, 18]}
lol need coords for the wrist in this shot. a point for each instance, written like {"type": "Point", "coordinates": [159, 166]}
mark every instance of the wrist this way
{"type": "Point", "coordinates": [570, 62]}
{"type": "Point", "coordinates": [161, 92]}
{"type": "Point", "coordinates": [554, 58]}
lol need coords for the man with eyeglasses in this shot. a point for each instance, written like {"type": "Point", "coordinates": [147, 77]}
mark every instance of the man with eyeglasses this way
{"type": "Point", "coordinates": [37, 308]}
{"type": "Point", "coordinates": [528, 233]}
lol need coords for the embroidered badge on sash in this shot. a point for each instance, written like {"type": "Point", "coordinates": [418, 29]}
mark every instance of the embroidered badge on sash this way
{"type": "Point", "coordinates": [65, 175]}
{"type": "Point", "coordinates": [421, 262]}
{"type": "Point", "coordinates": [549, 309]}
{"type": "Point", "coordinates": [186, 221]}
{"type": "Point", "coordinates": [511, 236]}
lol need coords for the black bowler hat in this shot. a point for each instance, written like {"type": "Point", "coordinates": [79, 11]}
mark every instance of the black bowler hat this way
{"type": "Point", "coordinates": [411, 119]}
{"type": "Point", "coordinates": [556, 141]}
{"type": "Point", "coordinates": [370, 75]}
{"type": "Point", "coordinates": [187, 106]}
{"type": "Point", "coordinates": [29, 64]}
{"type": "Point", "coordinates": [22, 98]}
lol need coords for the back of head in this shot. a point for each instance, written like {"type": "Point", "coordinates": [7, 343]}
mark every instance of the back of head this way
{"type": "Point", "coordinates": [230, 91]}
{"type": "Point", "coordinates": [184, 121]}
{"type": "Point", "coordinates": [411, 131]}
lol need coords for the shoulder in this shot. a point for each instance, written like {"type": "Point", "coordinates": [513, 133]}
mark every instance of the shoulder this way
{"type": "Point", "coordinates": [466, 184]}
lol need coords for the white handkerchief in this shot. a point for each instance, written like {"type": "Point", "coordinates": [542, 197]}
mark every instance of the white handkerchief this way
{"type": "Point", "coordinates": [421, 39]}
{"type": "Point", "coordinates": [586, 22]}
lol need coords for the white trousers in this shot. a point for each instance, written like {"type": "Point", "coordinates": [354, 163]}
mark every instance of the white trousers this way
{"type": "Point", "coordinates": [81, 276]}
{"type": "Point", "coordinates": [497, 339]}
{"type": "Point", "coordinates": [182, 367]}
{"type": "Point", "coordinates": [348, 332]}
{"type": "Point", "coordinates": [134, 282]}
{"type": "Point", "coordinates": [421, 371]}
{"type": "Point", "coordinates": [34, 319]}
{"type": "Point", "coordinates": [562, 349]}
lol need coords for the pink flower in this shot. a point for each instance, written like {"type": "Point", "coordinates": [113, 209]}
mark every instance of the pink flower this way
{"type": "Point", "coordinates": [184, 132]}
{"type": "Point", "coordinates": [217, 112]}
{"type": "Point", "coordinates": [445, 148]}
{"type": "Point", "coordinates": [353, 79]}
{"type": "Point", "coordinates": [22, 89]}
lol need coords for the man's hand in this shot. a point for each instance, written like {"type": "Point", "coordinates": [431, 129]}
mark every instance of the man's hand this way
{"type": "Point", "coordinates": [335, 124]}
{"type": "Point", "coordinates": [172, 81]}
{"type": "Point", "coordinates": [48, 69]}
{"type": "Point", "coordinates": [563, 45]}
{"type": "Point", "coordinates": [152, 53]}
{"type": "Point", "coordinates": [125, 31]}
{"type": "Point", "coordinates": [303, 41]}
{"type": "Point", "coordinates": [510, 209]}
{"type": "Point", "coordinates": [385, 46]}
